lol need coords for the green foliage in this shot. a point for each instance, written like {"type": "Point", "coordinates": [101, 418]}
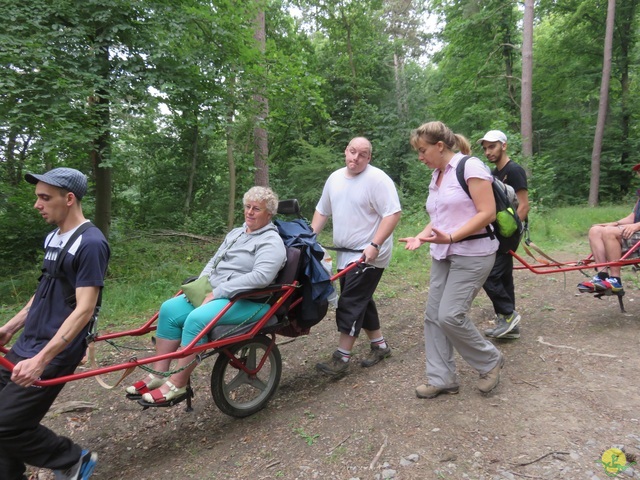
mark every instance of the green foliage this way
{"type": "Point", "coordinates": [304, 176]}
{"type": "Point", "coordinates": [23, 230]}
{"type": "Point", "coordinates": [157, 264]}
{"type": "Point", "coordinates": [179, 80]}
{"type": "Point", "coordinates": [561, 228]}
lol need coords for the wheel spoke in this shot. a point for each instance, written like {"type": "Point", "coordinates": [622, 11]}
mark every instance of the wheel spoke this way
{"type": "Point", "coordinates": [239, 393]}
{"type": "Point", "coordinates": [252, 358]}
{"type": "Point", "coordinates": [256, 383]}
{"type": "Point", "coordinates": [240, 379]}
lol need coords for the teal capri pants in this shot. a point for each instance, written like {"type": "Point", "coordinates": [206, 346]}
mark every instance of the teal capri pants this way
{"type": "Point", "coordinates": [179, 320]}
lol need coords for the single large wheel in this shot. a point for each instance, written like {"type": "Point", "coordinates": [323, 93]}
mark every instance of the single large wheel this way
{"type": "Point", "coordinates": [238, 393]}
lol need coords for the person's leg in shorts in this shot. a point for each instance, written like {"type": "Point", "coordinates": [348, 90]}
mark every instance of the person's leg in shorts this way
{"type": "Point", "coordinates": [355, 307]}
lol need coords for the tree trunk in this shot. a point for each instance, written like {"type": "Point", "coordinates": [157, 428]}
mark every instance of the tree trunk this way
{"type": "Point", "coordinates": [101, 145]}
{"type": "Point", "coordinates": [626, 14]}
{"type": "Point", "coordinates": [602, 108]}
{"type": "Point", "coordinates": [401, 88]}
{"type": "Point", "coordinates": [526, 122]}
{"type": "Point", "coordinates": [230, 161]}
{"type": "Point", "coordinates": [194, 165]}
{"type": "Point", "coordinates": [10, 157]}
{"type": "Point", "coordinates": [260, 138]}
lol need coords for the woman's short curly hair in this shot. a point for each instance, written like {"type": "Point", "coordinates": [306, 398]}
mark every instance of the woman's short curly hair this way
{"type": "Point", "coordinates": [262, 194]}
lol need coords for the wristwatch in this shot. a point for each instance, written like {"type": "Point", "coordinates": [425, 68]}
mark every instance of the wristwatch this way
{"type": "Point", "coordinates": [377, 247]}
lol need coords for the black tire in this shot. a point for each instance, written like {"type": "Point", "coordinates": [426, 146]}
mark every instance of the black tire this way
{"type": "Point", "coordinates": [235, 392]}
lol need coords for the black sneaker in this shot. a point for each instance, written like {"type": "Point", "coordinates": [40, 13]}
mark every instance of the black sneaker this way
{"type": "Point", "coordinates": [335, 367]}
{"type": "Point", "coordinates": [376, 354]}
{"type": "Point", "coordinates": [82, 470]}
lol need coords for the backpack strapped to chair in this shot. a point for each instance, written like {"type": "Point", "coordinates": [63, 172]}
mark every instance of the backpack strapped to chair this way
{"type": "Point", "coordinates": [507, 227]}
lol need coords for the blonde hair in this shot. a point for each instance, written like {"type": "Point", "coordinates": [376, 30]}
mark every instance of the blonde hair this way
{"type": "Point", "coordinates": [434, 132]}
{"type": "Point", "coordinates": [262, 194]}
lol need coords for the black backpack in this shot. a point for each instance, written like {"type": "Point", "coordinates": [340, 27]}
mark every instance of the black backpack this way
{"type": "Point", "coordinates": [507, 227]}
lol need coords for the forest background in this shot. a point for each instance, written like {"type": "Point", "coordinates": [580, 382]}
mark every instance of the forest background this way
{"type": "Point", "coordinates": [174, 108]}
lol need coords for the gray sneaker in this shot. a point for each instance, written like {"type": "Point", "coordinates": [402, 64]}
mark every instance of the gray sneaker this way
{"type": "Point", "coordinates": [512, 335]}
{"type": "Point", "coordinates": [505, 324]}
{"type": "Point", "coordinates": [376, 354]}
{"type": "Point", "coordinates": [335, 367]}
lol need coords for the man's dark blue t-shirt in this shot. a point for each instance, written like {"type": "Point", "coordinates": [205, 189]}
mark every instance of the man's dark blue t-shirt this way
{"type": "Point", "coordinates": [84, 265]}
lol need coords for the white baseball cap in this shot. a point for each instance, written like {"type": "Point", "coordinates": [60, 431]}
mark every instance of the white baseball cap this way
{"type": "Point", "coordinates": [493, 136]}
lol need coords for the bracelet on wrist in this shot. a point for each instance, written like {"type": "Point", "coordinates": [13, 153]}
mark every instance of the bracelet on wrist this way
{"type": "Point", "coordinates": [450, 239]}
{"type": "Point", "coordinates": [375, 245]}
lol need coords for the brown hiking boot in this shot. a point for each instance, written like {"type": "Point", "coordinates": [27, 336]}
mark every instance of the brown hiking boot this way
{"type": "Point", "coordinates": [488, 381]}
{"type": "Point", "coordinates": [376, 354]}
{"type": "Point", "coordinates": [335, 367]}
{"type": "Point", "coordinates": [430, 391]}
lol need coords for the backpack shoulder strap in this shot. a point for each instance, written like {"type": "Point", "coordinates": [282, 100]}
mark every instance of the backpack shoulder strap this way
{"type": "Point", "coordinates": [70, 294]}
{"type": "Point", "coordinates": [465, 187]}
{"type": "Point", "coordinates": [79, 231]}
{"type": "Point", "coordinates": [460, 174]}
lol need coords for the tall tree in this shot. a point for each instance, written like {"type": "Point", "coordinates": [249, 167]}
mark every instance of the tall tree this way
{"type": "Point", "coordinates": [526, 121]}
{"type": "Point", "coordinates": [260, 137]}
{"type": "Point", "coordinates": [603, 105]}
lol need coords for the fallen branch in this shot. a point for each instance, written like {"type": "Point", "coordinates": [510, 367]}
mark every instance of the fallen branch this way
{"type": "Point", "coordinates": [338, 444]}
{"type": "Point", "coordinates": [171, 233]}
{"type": "Point", "coordinates": [272, 464]}
{"type": "Point", "coordinates": [73, 406]}
{"type": "Point", "coordinates": [528, 383]}
{"type": "Point", "coordinates": [372, 465]}
{"type": "Point", "coordinates": [541, 340]}
{"type": "Point", "coordinates": [607, 355]}
{"type": "Point", "coordinates": [540, 458]}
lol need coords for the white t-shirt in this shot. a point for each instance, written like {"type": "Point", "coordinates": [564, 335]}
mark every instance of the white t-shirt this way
{"type": "Point", "coordinates": [358, 205]}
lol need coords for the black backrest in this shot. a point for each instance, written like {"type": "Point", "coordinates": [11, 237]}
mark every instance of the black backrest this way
{"type": "Point", "coordinates": [288, 275]}
{"type": "Point", "coordinates": [289, 207]}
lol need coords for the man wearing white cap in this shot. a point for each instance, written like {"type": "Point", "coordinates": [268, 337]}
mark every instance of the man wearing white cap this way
{"type": "Point", "coordinates": [54, 325]}
{"type": "Point", "coordinates": [499, 286]}
{"type": "Point", "coordinates": [608, 241]}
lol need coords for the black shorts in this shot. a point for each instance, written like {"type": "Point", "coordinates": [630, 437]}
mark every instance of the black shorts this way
{"type": "Point", "coordinates": [356, 308]}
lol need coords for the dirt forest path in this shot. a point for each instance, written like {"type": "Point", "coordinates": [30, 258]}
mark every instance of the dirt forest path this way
{"type": "Point", "coordinates": [570, 392]}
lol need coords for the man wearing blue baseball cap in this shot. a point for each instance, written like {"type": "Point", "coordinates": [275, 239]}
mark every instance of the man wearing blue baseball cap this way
{"type": "Point", "coordinates": [54, 325]}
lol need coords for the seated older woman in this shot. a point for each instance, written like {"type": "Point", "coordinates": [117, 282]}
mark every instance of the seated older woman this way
{"type": "Point", "coordinates": [250, 257]}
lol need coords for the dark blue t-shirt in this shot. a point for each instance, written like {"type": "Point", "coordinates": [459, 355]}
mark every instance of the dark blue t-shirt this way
{"type": "Point", "coordinates": [84, 265]}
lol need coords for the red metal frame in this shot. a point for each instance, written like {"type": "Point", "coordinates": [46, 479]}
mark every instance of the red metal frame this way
{"type": "Point", "coordinates": [588, 263]}
{"type": "Point", "coordinates": [285, 291]}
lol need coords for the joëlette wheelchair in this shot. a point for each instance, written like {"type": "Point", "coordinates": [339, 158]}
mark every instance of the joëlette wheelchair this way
{"type": "Point", "coordinates": [543, 264]}
{"type": "Point", "coordinates": [248, 367]}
